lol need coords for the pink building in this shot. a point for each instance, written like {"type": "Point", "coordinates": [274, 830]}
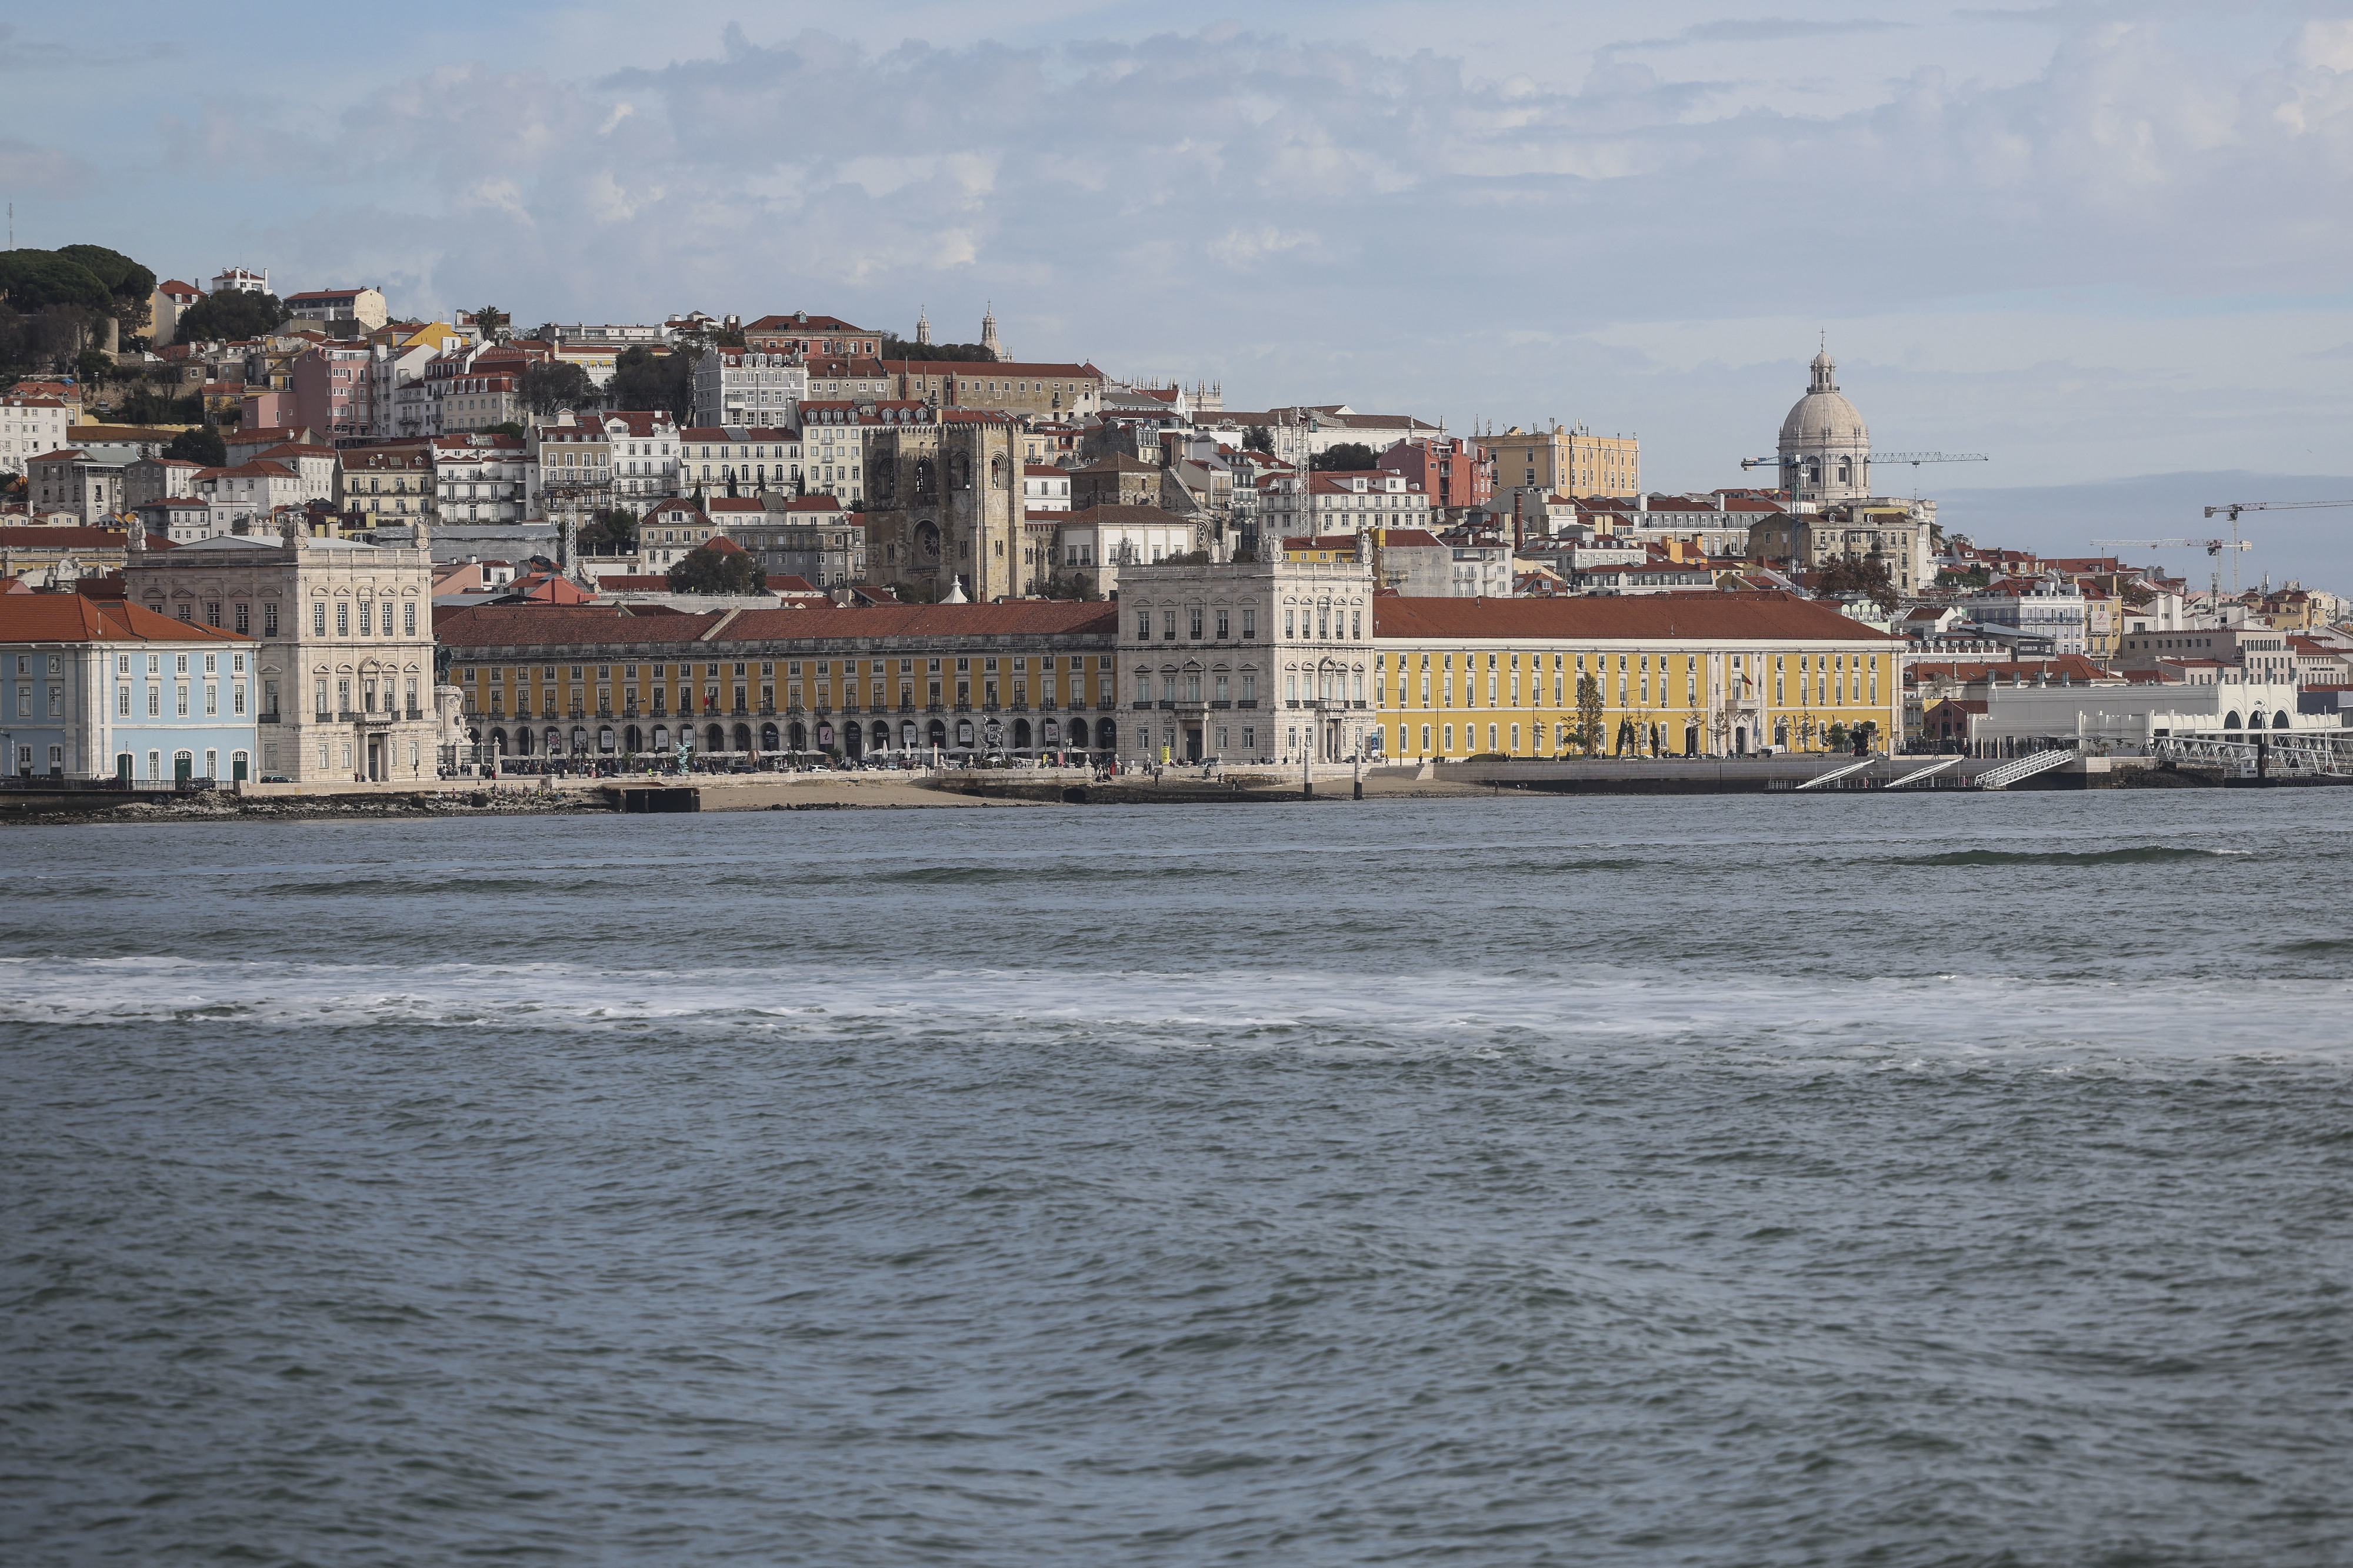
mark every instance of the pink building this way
{"type": "Point", "coordinates": [333, 392]}
{"type": "Point", "coordinates": [1452, 472]}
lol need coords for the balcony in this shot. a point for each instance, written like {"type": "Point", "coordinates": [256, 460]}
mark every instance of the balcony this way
{"type": "Point", "coordinates": [1247, 702]}
{"type": "Point", "coordinates": [413, 712]}
{"type": "Point", "coordinates": [269, 718]}
{"type": "Point", "coordinates": [1219, 702]}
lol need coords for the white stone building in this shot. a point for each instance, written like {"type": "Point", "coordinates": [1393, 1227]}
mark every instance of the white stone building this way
{"type": "Point", "coordinates": [345, 635]}
{"type": "Point", "coordinates": [1265, 661]}
{"type": "Point", "coordinates": [29, 427]}
{"type": "Point", "coordinates": [740, 386]}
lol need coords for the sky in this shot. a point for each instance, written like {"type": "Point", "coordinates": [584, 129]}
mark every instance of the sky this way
{"type": "Point", "coordinates": [2092, 240]}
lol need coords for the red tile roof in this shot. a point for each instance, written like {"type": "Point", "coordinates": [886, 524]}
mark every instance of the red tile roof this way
{"type": "Point", "coordinates": [73, 617]}
{"type": "Point", "coordinates": [1709, 617]}
{"type": "Point", "coordinates": [38, 538]}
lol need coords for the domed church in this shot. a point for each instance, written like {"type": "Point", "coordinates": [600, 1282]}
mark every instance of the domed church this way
{"type": "Point", "coordinates": [1825, 447]}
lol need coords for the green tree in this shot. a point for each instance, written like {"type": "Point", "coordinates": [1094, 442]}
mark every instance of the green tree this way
{"type": "Point", "coordinates": [1258, 438]}
{"type": "Point", "coordinates": [229, 316]}
{"type": "Point", "coordinates": [1351, 456]}
{"type": "Point", "coordinates": [32, 278]}
{"type": "Point", "coordinates": [203, 444]}
{"type": "Point", "coordinates": [1587, 733]}
{"type": "Point", "coordinates": [1865, 574]}
{"type": "Point", "coordinates": [132, 285]}
{"type": "Point", "coordinates": [505, 428]}
{"type": "Point", "coordinates": [492, 323]}
{"type": "Point", "coordinates": [643, 379]}
{"type": "Point", "coordinates": [901, 348]}
{"type": "Point", "coordinates": [93, 366]}
{"type": "Point", "coordinates": [612, 531]}
{"type": "Point", "coordinates": [708, 570]}
{"type": "Point", "coordinates": [1071, 585]}
{"type": "Point", "coordinates": [551, 387]}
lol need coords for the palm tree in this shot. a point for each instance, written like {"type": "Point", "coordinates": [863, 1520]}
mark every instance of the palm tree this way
{"type": "Point", "coordinates": [492, 323]}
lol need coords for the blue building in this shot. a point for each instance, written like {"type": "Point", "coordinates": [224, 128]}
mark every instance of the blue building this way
{"type": "Point", "coordinates": [93, 689]}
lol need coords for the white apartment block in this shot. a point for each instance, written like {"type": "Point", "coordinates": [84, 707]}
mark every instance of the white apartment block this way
{"type": "Point", "coordinates": [31, 427]}
{"type": "Point", "coordinates": [739, 386]}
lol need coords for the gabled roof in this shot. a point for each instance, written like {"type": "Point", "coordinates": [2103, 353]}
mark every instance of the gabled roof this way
{"type": "Point", "coordinates": [73, 617]}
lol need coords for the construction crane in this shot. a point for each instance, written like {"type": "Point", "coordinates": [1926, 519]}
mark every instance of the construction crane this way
{"type": "Point", "coordinates": [2210, 546]}
{"type": "Point", "coordinates": [1796, 461]}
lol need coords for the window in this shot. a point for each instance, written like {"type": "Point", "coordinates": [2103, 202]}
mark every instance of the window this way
{"type": "Point", "coordinates": [269, 620]}
{"type": "Point", "coordinates": [1143, 629]}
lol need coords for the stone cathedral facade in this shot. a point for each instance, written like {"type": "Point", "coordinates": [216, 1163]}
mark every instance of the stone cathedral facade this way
{"type": "Point", "coordinates": [943, 515]}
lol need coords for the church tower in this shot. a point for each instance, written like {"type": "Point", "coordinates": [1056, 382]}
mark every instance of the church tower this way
{"type": "Point", "coordinates": [988, 332]}
{"type": "Point", "coordinates": [922, 326]}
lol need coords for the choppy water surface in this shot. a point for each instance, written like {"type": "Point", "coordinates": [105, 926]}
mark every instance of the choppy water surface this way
{"type": "Point", "coordinates": [1719, 1181]}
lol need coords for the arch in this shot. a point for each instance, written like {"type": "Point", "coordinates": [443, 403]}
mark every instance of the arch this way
{"type": "Point", "coordinates": [2279, 719]}
{"type": "Point", "coordinates": [661, 737]}
{"type": "Point", "coordinates": [997, 472]}
{"type": "Point", "coordinates": [579, 740]}
{"type": "Point", "coordinates": [743, 737]}
{"type": "Point", "coordinates": [2231, 720]}
{"type": "Point", "coordinates": [1021, 734]}
{"type": "Point", "coordinates": [882, 478]}
{"type": "Point", "coordinates": [926, 477]}
{"type": "Point", "coordinates": [964, 734]}
{"type": "Point", "coordinates": [633, 740]}
{"type": "Point", "coordinates": [797, 737]}
{"type": "Point", "coordinates": [1106, 735]}
{"type": "Point", "coordinates": [939, 735]}
{"type": "Point", "coordinates": [960, 469]}
{"type": "Point", "coordinates": [824, 736]}
{"type": "Point", "coordinates": [879, 739]}
{"type": "Point", "coordinates": [927, 541]}
{"type": "Point", "coordinates": [550, 741]}
{"type": "Point", "coordinates": [1078, 733]}
{"type": "Point", "coordinates": [605, 738]}
{"type": "Point", "coordinates": [767, 737]}
{"type": "Point", "coordinates": [714, 739]}
{"type": "Point", "coordinates": [498, 742]}
{"type": "Point", "coordinates": [907, 734]}
{"type": "Point", "coordinates": [853, 740]}
{"type": "Point", "coordinates": [1051, 732]}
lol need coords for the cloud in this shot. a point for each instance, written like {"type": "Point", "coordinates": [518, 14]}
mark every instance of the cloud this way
{"type": "Point", "coordinates": [44, 54]}
{"type": "Point", "coordinates": [1763, 30]}
{"type": "Point", "coordinates": [24, 166]}
{"type": "Point", "coordinates": [1319, 218]}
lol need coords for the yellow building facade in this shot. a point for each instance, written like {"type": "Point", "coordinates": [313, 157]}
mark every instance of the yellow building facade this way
{"type": "Point", "coordinates": [1704, 674]}
{"type": "Point", "coordinates": [1024, 679]}
{"type": "Point", "coordinates": [1566, 461]}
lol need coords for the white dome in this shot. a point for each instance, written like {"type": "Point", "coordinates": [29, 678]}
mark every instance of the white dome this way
{"type": "Point", "coordinates": [1823, 417]}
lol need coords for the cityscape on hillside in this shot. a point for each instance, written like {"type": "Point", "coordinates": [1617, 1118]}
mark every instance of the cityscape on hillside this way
{"type": "Point", "coordinates": [542, 486]}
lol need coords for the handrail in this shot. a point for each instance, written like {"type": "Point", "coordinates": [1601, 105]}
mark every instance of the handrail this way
{"type": "Point", "coordinates": [1839, 772]}
{"type": "Point", "coordinates": [1919, 774]}
{"type": "Point", "coordinates": [2024, 767]}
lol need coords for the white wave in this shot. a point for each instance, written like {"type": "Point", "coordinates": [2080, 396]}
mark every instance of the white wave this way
{"type": "Point", "coordinates": [1880, 1024]}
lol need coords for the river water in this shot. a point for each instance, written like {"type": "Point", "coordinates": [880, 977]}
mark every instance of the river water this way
{"type": "Point", "coordinates": [1958, 1180]}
